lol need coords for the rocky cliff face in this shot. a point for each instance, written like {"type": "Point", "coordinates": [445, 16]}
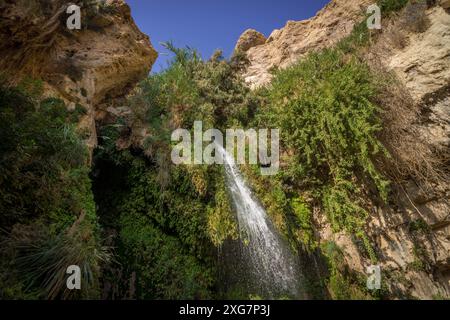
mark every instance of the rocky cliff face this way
{"type": "Point", "coordinates": [412, 232]}
{"type": "Point", "coordinates": [285, 46]}
{"type": "Point", "coordinates": [417, 52]}
{"type": "Point", "coordinates": [249, 39]}
{"type": "Point", "coordinates": [90, 66]}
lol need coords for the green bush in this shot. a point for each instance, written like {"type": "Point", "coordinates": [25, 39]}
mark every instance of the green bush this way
{"type": "Point", "coordinates": [303, 216]}
{"type": "Point", "coordinates": [359, 37]}
{"type": "Point", "coordinates": [329, 124]}
{"type": "Point", "coordinates": [389, 6]}
{"type": "Point", "coordinates": [163, 229]}
{"type": "Point", "coordinates": [40, 259]}
{"type": "Point", "coordinates": [42, 160]}
{"type": "Point", "coordinates": [342, 284]}
{"type": "Point", "coordinates": [324, 108]}
{"type": "Point", "coordinates": [45, 185]}
{"type": "Point", "coordinates": [164, 270]}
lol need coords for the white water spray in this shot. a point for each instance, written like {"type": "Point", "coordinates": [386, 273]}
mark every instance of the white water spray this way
{"type": "Point", "coordinates": [270, 261]}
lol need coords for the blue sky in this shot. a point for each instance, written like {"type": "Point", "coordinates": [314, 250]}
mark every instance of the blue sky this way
{"type": "Point", "coordinates": [207, 25]}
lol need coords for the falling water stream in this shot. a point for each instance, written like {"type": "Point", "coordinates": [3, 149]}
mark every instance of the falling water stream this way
{"type": "Point", "coordinates": [269, 262]}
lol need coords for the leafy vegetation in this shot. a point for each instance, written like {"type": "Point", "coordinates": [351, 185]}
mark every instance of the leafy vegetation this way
{"type": "Point", "coordinates": [48, 211]}
{"type": "Point", "coordinates": [171, 219]}
{"type": "Point", "coordinates": [389, 6]}
{"type": "Point", "coordinates": [329, 124]}
{"type": "Point", "coordinates": [342, 283]}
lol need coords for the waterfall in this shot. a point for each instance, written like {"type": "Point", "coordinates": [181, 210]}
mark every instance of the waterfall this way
{"type": "Point", "coordinates": [269, 262]}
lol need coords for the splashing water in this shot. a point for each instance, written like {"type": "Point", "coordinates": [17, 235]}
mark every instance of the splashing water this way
{"type": "Point", "coordinates": [269, 262]}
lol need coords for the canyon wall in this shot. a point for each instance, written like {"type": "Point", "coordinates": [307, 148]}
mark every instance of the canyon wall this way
{"type": "Point", "coordinates": [286, 45]}
{"type": "Point", "coordinates": [88, 67]}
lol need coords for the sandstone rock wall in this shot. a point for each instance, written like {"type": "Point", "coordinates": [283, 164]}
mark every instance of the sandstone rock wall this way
{"type": "Point", "coordinates": [101, 61]}
{"type": "Point", "coordinates": [422, 65]}
{"type": "Point", "coordinates": [249, 39]}
{"type": "Point", "coordinates": [285, 46]}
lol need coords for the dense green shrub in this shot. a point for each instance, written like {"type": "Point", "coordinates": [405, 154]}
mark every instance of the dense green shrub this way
{"type": "Point", "coordinates": [42, 160]}
{"type": "Point", "coordinates": [44, 188]}
{"type": "Point", "coordinates": [162, 229]}
{"type": "Point", "coordinates": [171, 219]}
{"type": "Point", "coordinates": [164, 268]}
{"type": "Point", "coordinates": [40, 259]}
{"type": "Point", "coordinates": [359, 37]}
{"type": "Point", "coordinates": [341, 282]}
{"type": "Point", "coordinates": [329, 124]}
{"type": "Point", "coordinates": [303, 216]}
{"type": "Point", "coordinates": [389, 6]}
